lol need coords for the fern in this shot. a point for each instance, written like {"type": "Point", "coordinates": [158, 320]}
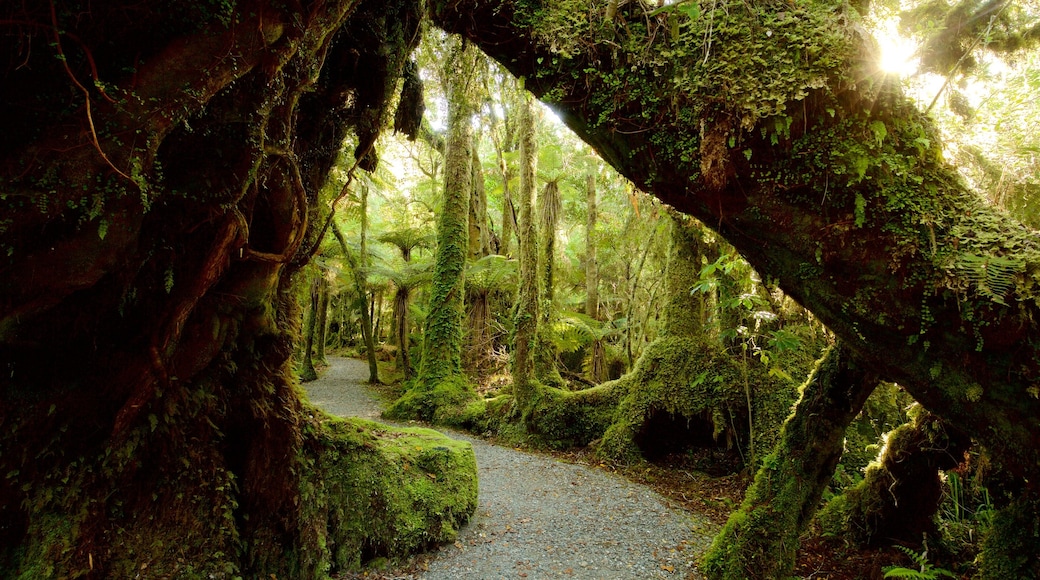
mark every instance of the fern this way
{"type": "Point", "coordinates": [927, 571]}
{"type": "Point", "coordinates": [994, 276]}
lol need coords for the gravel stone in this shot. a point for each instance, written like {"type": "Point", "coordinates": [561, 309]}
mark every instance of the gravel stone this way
{"type": "Point", "coordinates": [538, 517]}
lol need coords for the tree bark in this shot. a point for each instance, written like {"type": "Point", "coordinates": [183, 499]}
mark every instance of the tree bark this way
{"type": "Point", "coordinates": [526, 320]}
{"type": "Point", "coordinates": [597, 367]}
{"type": "Point", "coordinates": [308, 373]}
{"type": "Point", "coordinates": [152, 234]}
{"type": "Point", "coordinates": [323, 319]}
{"type": "Point", "coordinates": [360, 275]}
{"type": "Point", "coordinates": [545, 354]}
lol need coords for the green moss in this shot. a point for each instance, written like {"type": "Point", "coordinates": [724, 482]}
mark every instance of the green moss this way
{"type": "Point", "coordinates": [385, 492]}
{"type": "Point", "coordinates": [1011, 548]}
{"type": "Point", "coordinates": [696, 379]}
{"type": "Point", "coordinates": [760, 540]}
{"type": "Point", "coordinates": [446, 401]}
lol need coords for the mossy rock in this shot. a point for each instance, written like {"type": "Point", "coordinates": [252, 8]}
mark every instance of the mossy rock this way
{"type": "Point", "coordinates": [388, 492]}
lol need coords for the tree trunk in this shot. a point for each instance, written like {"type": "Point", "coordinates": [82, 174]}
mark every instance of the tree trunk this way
{"type": "Point", "coordinates": [545, 353]}
{"type": "Point", "coordinates": [152, 234]}
{"type": "Point", "coordinates": [526, 319]}
{"type": "Point", "coordinates": [479, 237]}
{"type": "Point", "coordinates": [402, 331]}
{"type": "Point", "coordinates": [323, 319]}
{"type": "Point", "coordinates": [899, 495]}
{"type": "Point", "coordinates": [308, 373]}
{"type": "Point", "coordinates": [440, 386]}
{"type": "Point", "coordinates": [597, 358]}
{"type": "Point", "coordinates": [360, 303]}
{"type": "Point", "coordinates": [821, 173]}
{"type": "Point", "coordinates": [360, 274]}
{"type": "Point", "coordinates": [760, 539]}
{"type": "Point", "coordinates": [479, 347]}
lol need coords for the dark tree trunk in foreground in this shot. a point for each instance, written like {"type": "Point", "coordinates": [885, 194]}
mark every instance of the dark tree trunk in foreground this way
{"type": "Point", "coordinates": [149, 236]}
{"type": "Point", "coordinates": [772, 124]}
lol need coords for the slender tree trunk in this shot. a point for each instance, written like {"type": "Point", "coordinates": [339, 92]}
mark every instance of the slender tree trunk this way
{"type": "Point", "coordinates": [633, 287]}
{"type": "Point", "coordinates": [478, 348]}
{"type": "Point", "coordinates": [545, 355]}
{"type": "Point", "coordinates": [508, 210]}
{"type": "Point", "coordinates": [360, 303]}
{"type": "Point", "coordinates": [402, 331]}
{"type": "Point", "coordinates": [479, 236]}
{"type": "Point", "coordinates": [597, 366]}
{"type": "Point", "coordinates": [361, 281]}
{"type": "Point", "coordinates": [323, 318]}
{"type": "Point", "coordinates": [527, 315]}
{"type": "Point", "coordinates": [308, 373]}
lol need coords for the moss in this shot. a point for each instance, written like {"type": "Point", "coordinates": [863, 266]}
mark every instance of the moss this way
{"type": "Point", "coordinates": [557, 418]}
{"type": "Point", "coordinates": [760, 540]}
{"type": "Point", "coordinates": [444, 401]}
{"type": "Point", "coordinates": [385, 492]}
{"type": "Point", "coordinates": [900, 493]}
{"type": "Point", "coordinates": [695, 379]}
{"type": "Point", "coordinates": [1011, 548]}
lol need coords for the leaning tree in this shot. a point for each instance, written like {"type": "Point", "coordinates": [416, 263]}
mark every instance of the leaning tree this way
{"type": "Point", "coordinates": [159, 176]}
{"type": "Point", "coordinates": [772, 123]}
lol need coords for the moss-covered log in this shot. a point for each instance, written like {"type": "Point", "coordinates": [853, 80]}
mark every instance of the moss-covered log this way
{"type": "Point", "coordinates": [773, 124]}
{"type": "Point", "coordinates": [760, 540]}
{"type": "Point", "coordinates": [159, 179]}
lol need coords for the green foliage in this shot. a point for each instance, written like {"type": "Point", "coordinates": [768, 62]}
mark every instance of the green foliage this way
{"type": "Point", "coordinates": [926, 570]}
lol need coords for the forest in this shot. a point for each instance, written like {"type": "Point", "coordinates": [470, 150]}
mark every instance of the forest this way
{"type": "Point", "coordinates": [790, 244]}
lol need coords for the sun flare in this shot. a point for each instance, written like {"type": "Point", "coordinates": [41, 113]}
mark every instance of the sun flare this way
{"type": "Point", "coordinates": [898, 54]}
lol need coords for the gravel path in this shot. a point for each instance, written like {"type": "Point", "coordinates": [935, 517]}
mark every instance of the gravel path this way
{"type": "Point", "coordinates": [540, 518]}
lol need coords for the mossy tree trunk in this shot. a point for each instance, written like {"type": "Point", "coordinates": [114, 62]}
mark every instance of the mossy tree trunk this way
{"type": "Point", "coordinates": [359, 271]}
{"type": "Point", "coordinates": [597, 365]}
{"type": "Point", "coordinates": [479, 348]}
{"type": "Point", "coordinates": [545, 354]}
{"type": "Point", "coordinates": [685, 378]}
{"type": "Point", "coordinates": [820, 172]}
{"type": "Point", "coordinates": [760, 540]}
{"type": "Point", "coordinates": [440, 385]}
{"type": "Point", "coordinates": [321, 337]}
{"type": "Point", "coordinates": [526, 317]}
{"type": "Point", "coordinates": [360, 302]}
{"type": "Point", "coordinates": [152, 236]}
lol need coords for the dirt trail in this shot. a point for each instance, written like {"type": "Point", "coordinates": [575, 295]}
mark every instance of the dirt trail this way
{"type": "Point", "coordinates": [540, 518]}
